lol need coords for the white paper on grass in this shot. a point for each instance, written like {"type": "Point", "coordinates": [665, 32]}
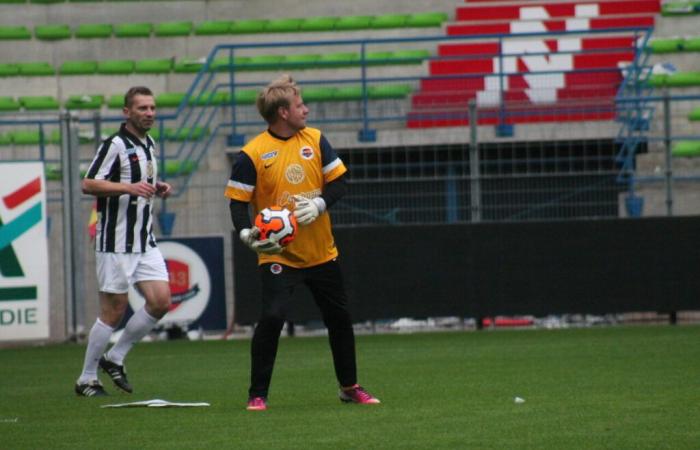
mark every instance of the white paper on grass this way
{"type": "Point", "coordinates": [156, 403]}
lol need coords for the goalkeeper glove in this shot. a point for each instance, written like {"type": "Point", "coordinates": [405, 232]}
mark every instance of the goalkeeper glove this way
{"type": "Point", "coordinates": [306, 211]}
{"type": "Point", "coordinates": [249, 236]}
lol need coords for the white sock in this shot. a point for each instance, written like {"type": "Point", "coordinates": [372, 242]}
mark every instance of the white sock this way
{"type": "Point", "coordinates": [136, 328]}
{"type": "Point", "coordinates": [98, 339]}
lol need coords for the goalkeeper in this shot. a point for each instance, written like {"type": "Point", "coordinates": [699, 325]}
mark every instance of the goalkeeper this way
{"type": "Point", "coordinates": [294, 166]}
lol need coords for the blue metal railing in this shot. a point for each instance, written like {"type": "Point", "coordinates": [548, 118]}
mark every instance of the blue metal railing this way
{"type": "Point", "coordinates": [634, 115]}
{"type": "Point", "coordinates": [201, 107]}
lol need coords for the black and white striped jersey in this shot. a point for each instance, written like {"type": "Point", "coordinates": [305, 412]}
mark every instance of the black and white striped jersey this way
{"type": "Point", "coordinates": [125, 222]}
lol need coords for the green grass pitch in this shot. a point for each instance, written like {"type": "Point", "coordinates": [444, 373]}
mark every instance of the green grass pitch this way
{"type": "Point", "coordinates": [596, 388]}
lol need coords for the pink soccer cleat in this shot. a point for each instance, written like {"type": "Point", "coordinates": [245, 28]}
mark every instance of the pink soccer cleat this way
{"type": "Point", "coordinates": [256, 404]}
{"type": "Point", "coordinates": [357, 394]}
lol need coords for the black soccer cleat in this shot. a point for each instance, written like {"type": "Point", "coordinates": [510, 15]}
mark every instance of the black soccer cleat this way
{"type": "Point", "coordinates": [91, 389]}
{"type": "Point", "coordinates": [116, 373]}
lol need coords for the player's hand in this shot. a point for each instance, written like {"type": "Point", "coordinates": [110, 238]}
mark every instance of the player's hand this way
{"type": "Point", "coordinates": [249, 236]}
{"type": "Point", "coordinates": [142, 189]}
{"type": "Point", "coordinates": [163, 189]}
{"type": "Point", "coordinates": [305, 210]}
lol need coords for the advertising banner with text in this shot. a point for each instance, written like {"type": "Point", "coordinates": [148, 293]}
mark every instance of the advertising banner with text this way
{"type": "Point", "coordinates": [24, 259]}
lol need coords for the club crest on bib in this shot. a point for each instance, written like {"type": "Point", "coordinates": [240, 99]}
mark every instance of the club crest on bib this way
{"type": "Point", "coordinates": [306, 152]}
{"type": "Point", "coordinates": [294, 173]}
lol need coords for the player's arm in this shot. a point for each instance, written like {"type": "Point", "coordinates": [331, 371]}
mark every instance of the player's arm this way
{"type": "Point", "coordinates": [308, 210]}
{"type": "Point", "coordinates": [106, 188]}
{"type": "Point", "coordinates": [243, 179]}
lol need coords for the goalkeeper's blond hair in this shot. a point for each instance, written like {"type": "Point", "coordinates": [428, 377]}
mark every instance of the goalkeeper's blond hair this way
{"type": "Point", "coordinates": [279, 93]}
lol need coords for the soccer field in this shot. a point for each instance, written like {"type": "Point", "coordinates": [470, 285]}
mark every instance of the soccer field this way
{"type": "Point", "coordinates": [613, 388]}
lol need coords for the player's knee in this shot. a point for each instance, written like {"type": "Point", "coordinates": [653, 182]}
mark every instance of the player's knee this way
{"type": "Point", "coordinates": [273, 319]}
{"type": "Point", "coordinates": [159, 306]}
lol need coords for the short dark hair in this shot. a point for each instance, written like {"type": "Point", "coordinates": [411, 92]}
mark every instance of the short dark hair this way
{"type": "Point", "coordinates": [136, 90]}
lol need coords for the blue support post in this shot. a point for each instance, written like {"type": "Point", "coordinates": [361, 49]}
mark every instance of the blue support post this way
{"type": "Point", "coordinates": [365, 134]}
{"type": "Point", "coordinates": [502, 129]}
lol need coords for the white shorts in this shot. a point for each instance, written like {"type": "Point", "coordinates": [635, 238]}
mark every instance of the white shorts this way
{"type": "Point", "coordinates": [116, 271]}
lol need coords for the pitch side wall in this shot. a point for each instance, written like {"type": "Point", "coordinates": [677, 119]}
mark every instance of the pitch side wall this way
{"type": "Point", "coordinates": [596, 267]}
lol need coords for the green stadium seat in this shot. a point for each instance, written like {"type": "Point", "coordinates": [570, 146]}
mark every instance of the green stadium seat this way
{"type": "Point", "coordinates": [248, 26]}
{"type": "Point", "coordinates": [169, 99]}
{"type": "Point", "coordinates": [181, 134]}
{"type": "Point", "coordinates": [33, 69]}
{"type": "Point", "coordinates": [686, 149]}
{"type": "Point", "coordinates": [692, 44]}
{"type": "Point", "coordinates": [188, 65]}
{"type": "Point", "coordinates": [210, 99]}
{"type": "Point", "coordinates": [84, 101]}
{"type": "Point", "coordinates": [178, 168]}
{"type": "Point", "coordinates": [212, 27]}
{"type": "Point", "coordinates": [222, 63]}
{"type": "Point", "coordinates": [657, 79]}
{"type": "Point", "coordinates": [348, 93]}
{"type": "Point", "coordinates": [115, 101]}
{"type": "Point", "coordinates": [38, 103]}
{"type": "Point", "coordinates": [153, 66]}
{"type": "Point", "coordinates": [115, 67]}
{"type": "Point", "coordinates": [54, 136]}
{"type": "Point", "coordinates": [410, 56]}
{"type": "Point", "coordinates": [165, 29]}
{"type": "Point", "coordinates": [387, 91]}
{"type": "Point", "coordinates": [13, 1]}
{"type": "Point", "coordinates": [52, 32]}
{"type": "Point", "coordinates": [378, 58]}
{"type": "Point", "coordinates": [9, 104]}
{"type": "Point", "coordinates": [683, 79]}
{"type": "Point", "coordinates": [301, 61]}
{"type": "Point", "coordinates": [318, 24]}
{"type": "Point", "coordinates": [14, 32]}
{"type": "Point", "coordinates": [389, 21]}
{"type": "Point", "coordinates": [5, 139]}
{"type": "Point", "coordinates": [353, 22]}
{"type": "Point", "coordinates": [25, 137]}
{"type": "Point", "coordinates": [428, 19]}
{"type": "Point", "coordinates": [93, 30]}
{"type": "Point", "coordinates": [53, 172]}
{"type": "Point", "coordinates": [694, 115]}
{"type": "Point", "coordinates": [246, 96]}
{"type": "Point", "coordinates": [282, 25]}
{"type": "Point", "coordinates": [666, 45]}
{"type": "Point", "coordinates": [318, 94]}
{"type": "Point", "coordinates": [677, 9]}
{"type": "Point", "coordinates": [341, 59]}
{"type": "Point", "coordinates": [8, 70]}
{"type": "Point", "coordinates": [47, 2]}
{"type": "Point", "coordinates": [265, 62]}
{"type": "Point", "coordinates": [78, 68]}
{"type": "Point", "coordinates": [132, 30]}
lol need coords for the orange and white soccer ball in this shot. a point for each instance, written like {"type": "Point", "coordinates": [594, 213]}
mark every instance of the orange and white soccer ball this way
{"type": "Point", "coordinates": [277, 223]}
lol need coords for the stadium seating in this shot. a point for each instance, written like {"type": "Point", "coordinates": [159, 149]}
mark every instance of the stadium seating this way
{"type": "Point", "coordinates": [589, 65]}
{"type": "Point", "coordinates": [256, 62]}
{"type": "Point", "coordinates": [686, 149]}
{"type": "Point", "coordinates": [222, 27]}
{"type": "Point", "coordinates": [680, 8]}
{"type": "Point", "coordinates": [678, 79]}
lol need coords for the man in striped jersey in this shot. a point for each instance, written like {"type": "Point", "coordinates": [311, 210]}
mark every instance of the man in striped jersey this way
{"type": "Point", "coordinates": [293, 165]}
{"type": "Point", "coordinates": [123, 177]}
